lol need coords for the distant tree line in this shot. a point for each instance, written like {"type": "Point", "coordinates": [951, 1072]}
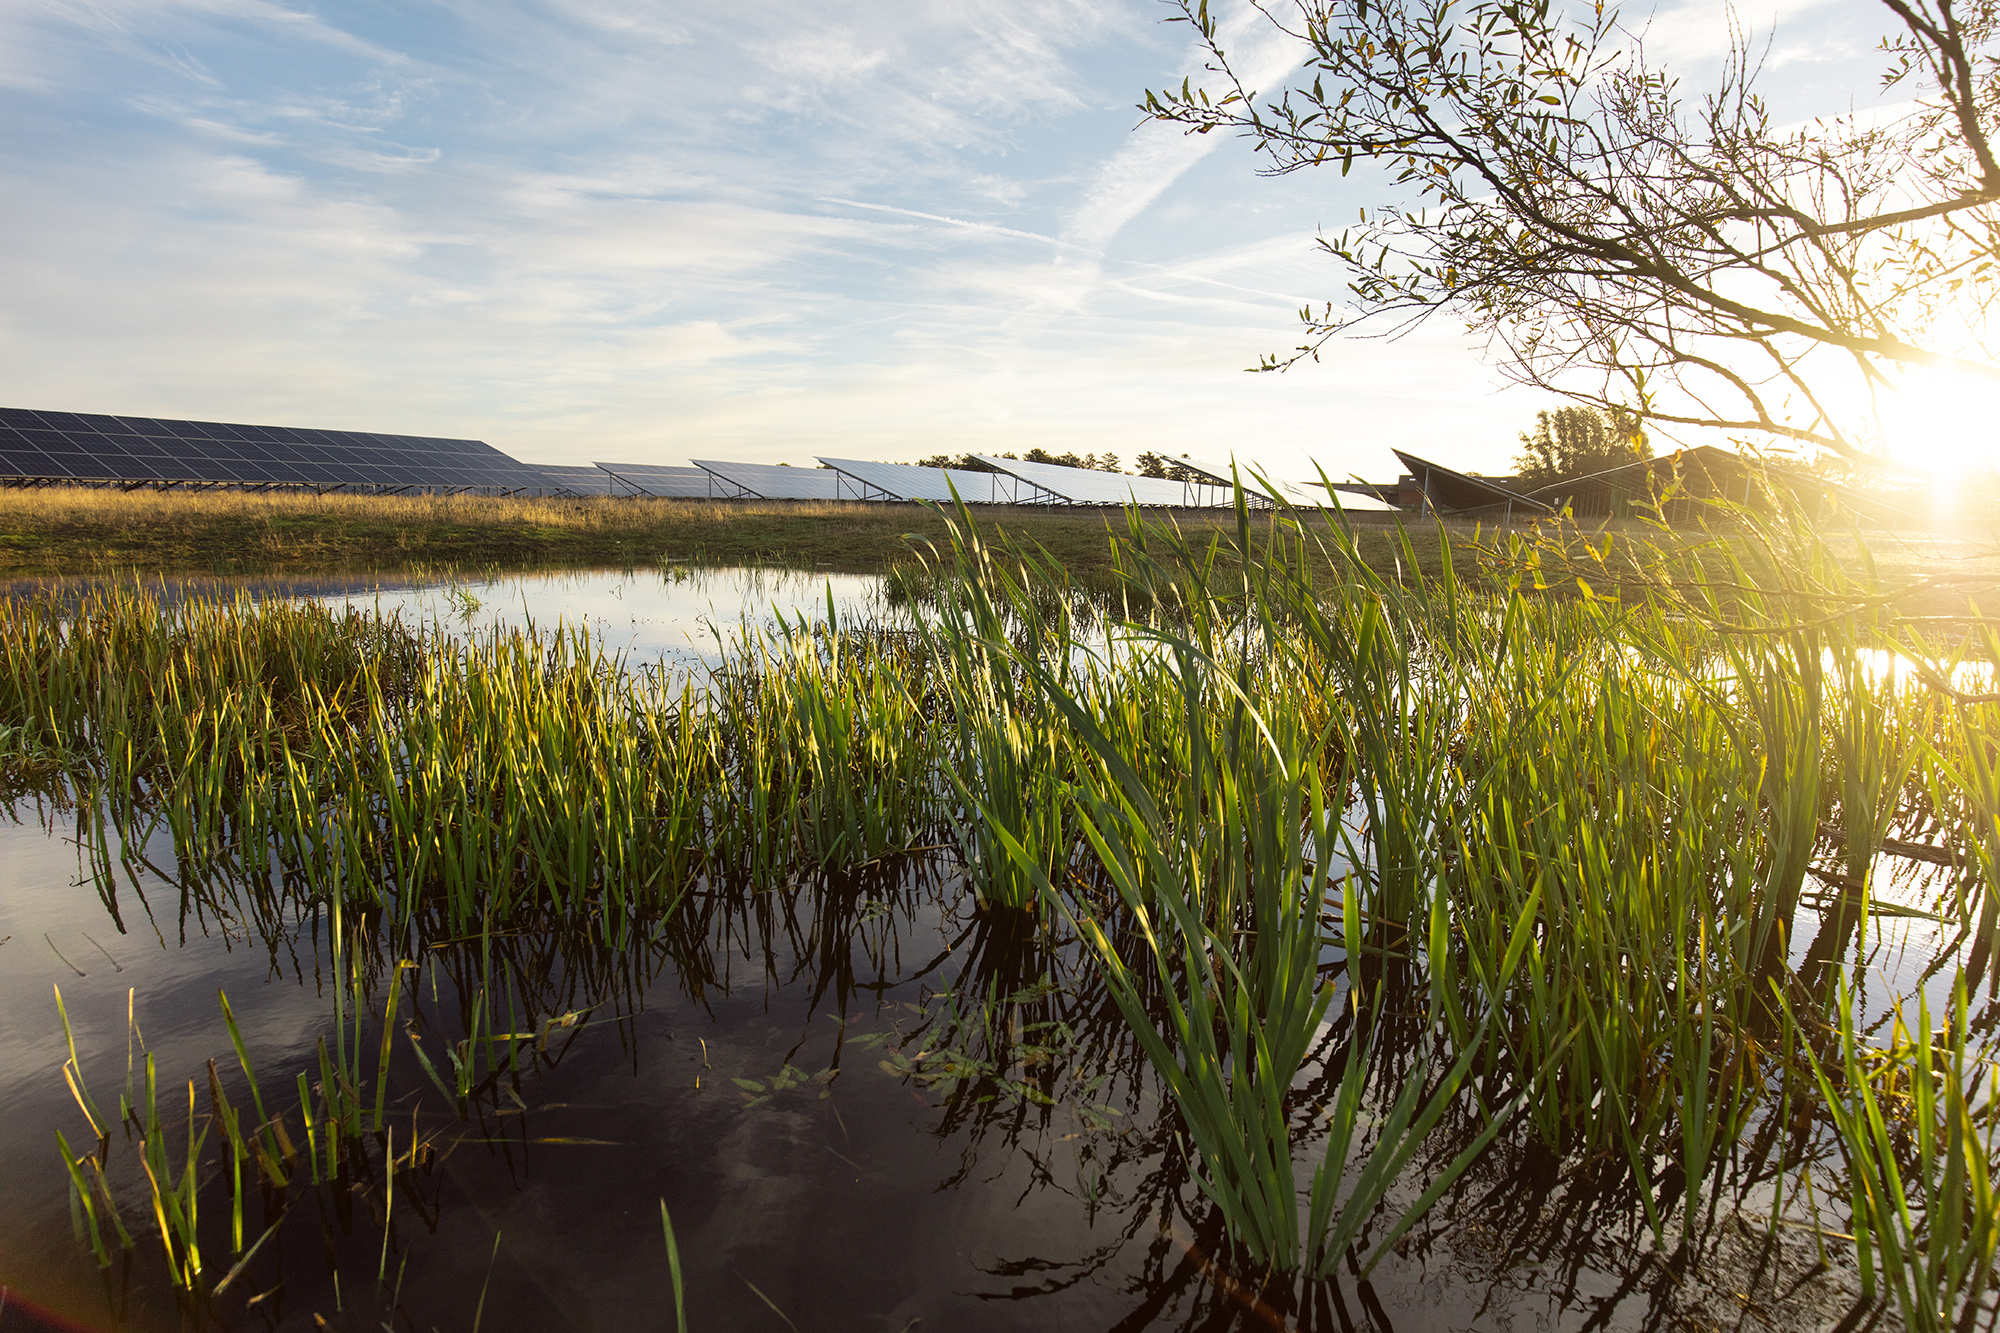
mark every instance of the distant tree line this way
{"type": "Point", "coordinates": [1573, 442]}
{"type": "Point", "coordinates": [1168, 469]}
{"type": "Point", "coordinates": [1106, 462]}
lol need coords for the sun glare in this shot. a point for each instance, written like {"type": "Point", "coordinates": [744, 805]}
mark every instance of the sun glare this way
{"type": "Point", "coordinates": [1946, 425]}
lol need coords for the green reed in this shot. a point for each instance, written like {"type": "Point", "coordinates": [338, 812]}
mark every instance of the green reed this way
{"type": "Point", "coordinates": [172, 1178]}
{"type": "Point", "coordinates": [844, 706]}
{"type": "Point", "coordinates": [1916, 1126]}
{"type": "Point", "coordinates": [1011, 819]}
{"type": "Point", "coordinates": [1595, 811]}
{"type": "Point", "coordinates": [812, 749]}
{"type": "Point", "coordinates": [371, 765]}
{"type": "Point", "coordinates": [1598, 895]}
{"type": "Point", "coordinates": [1222, 878]}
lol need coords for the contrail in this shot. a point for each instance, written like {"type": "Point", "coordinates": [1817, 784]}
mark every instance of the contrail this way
{"type": "Point", "coordinates": [959, 222]}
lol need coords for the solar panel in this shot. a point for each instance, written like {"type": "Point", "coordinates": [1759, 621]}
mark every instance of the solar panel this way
{"type": "Point", "coordinates": [682, 483]}
{"type": "Point", "coordinates": [1259, 493]}
{"type": "Point", "coordinates": [581, 480]}
{"type": "Point", "coordinates": [68, 446]}
{"type": "Point", "coordinates": [765, 481]}
{"type": "Point", "coordinates": [1086, 486]}
{"type": "Point", "coordinates": [1313, 494]}
{"type": "Point", "coordinates": [1299, 494]}
{"type": "Point", "coordinates": [1449, 491]}
{"type": "Point", "coordinates": [908, 481]}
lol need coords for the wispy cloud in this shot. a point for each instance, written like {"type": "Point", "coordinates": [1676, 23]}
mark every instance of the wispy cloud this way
{"type": "Point", "coordinates": [1701, 30]}
{"type": "Point", "coordinates": [1158, 155]}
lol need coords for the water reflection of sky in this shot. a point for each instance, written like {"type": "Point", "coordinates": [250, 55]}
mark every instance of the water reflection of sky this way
{"type": "Point", "coordinates": [675, 616]}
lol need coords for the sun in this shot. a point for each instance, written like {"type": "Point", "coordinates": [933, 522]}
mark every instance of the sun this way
{"type": "Point", "coordinates": [1944, 424]}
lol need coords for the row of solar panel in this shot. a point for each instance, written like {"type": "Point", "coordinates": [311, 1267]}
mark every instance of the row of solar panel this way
{"type": "Point", "coordinates": [15, 418]}
{"type": "Point", "coordinates": [18, 463]}
{"type": "Point", "coordinates": [371, 465]}
{"type": "Point", "coordinates": [686, 483]}
{"type": "Point", "coordinates": [1010, 482]}
{"type": "Point", "coordinates": [912, 481]}
{"type": "Point", "coordinates": [148, 447]}
{"type": "Point", "coordinates": [719, 479]}
{"type": "Point", "coordinates": [582, 480]}
{"type": "Point", "coordinates": [68, 446]}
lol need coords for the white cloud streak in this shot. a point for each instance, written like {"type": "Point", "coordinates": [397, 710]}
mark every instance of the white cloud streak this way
{"type": "Point", "coordinates": [992, 228]}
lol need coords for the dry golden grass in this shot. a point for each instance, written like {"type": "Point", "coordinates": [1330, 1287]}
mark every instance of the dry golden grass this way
{"type": "Point", "coordinates": [75, 531]}
{"type": "Point", "coordinates": [79, 531]}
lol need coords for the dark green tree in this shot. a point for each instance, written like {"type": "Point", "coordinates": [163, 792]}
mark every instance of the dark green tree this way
{"type": "Point", "coordinates": [1573, 442]}
{"type": "Point", "coordinates": [961, 462]}
{"type": "Point", "coordinates": [1166, 469]}
{"type": "Point", "coordinates": [1107, 462]}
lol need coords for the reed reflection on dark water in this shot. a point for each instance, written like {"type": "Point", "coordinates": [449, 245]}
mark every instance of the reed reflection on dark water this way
{"type": "Point", "coordinates": [968, 1056]}
{"type": "Point", "coordinates": [878, 1025]}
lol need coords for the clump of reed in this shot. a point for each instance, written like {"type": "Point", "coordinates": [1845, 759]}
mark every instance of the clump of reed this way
{"type": "Point", "coordinates": [333, 1114]}
{"type": "Point", "coordinates": [989, 628]}
{"type": "Point", "coordinates": [821, 747]}
{"type": "Point", "coordinates": [1915, 1125]}
{"type": "Point", "coordinates": [1587, 818]}
{"type": "Point", "coordinates": [1202, 790]}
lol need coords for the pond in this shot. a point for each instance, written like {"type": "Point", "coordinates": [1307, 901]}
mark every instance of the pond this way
{"type": "Point", "coordinates": [676, 615]}
{"type": "Point", "coordinates": [863, 1100]}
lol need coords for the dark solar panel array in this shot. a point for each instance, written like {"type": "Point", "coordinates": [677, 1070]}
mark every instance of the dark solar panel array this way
{"type": "Point", "coordinates": [70, 446]}
{"type": "Point", "coordinates": [581, 480]}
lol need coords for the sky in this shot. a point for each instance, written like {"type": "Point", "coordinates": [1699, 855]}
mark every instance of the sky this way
{"type": "Point", "coordinates": [644, 232]}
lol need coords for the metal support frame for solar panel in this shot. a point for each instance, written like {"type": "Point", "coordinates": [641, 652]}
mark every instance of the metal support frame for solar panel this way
{"type": "Point", "coordinates": [863, 489]}
{"type": "Point", "coordinates": [1448, 491]}
{"type": "Point", "coordinates": [1002, 487]}
{"type": "Point", "coordinates": [846, 487]}
{"type": "Point", "coordinates": [662, 482]}
{"type": "Point", "coordinates": [767, 481]}
{"type": "Point", "coordinates": [1265, 492]}
{"type": "Point", "coordinates": [912, 482]}
{"type": "Point", "coordinates": [1311, 494]}
{"type": "Point", "coordinates": [40, 447]}
{"type": "Point", "coordinates": [1087, 486]}
{"type": "Point", "coordinates": [1257, 497]}
{"type": "Point", "coordinates": [727, 489]}
{"type": "Point", "coordinates": [1382, 492]}
{"type": "Point", "coordinates": [580, 482]}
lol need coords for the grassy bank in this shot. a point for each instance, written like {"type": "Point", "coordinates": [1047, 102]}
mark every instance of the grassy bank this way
{"type": "Point", "coordinates": [79, 531]}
